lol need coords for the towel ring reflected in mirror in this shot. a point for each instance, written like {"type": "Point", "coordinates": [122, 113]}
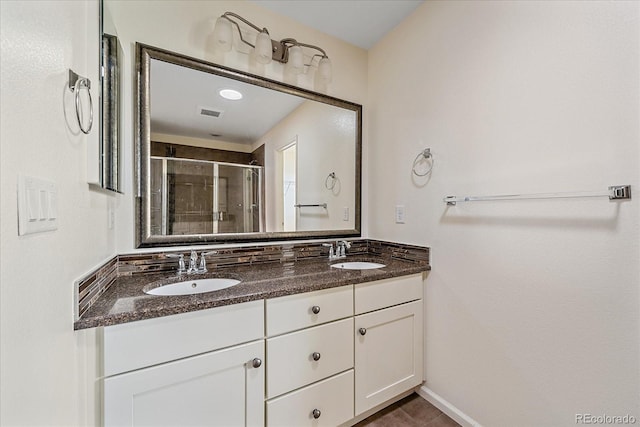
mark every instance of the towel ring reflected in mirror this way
{"type": "Point", "coordinates": [330, 184]}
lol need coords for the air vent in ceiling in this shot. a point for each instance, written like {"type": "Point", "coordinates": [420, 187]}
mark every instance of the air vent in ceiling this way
{"type": "Point", "coordinates": [211, 112]}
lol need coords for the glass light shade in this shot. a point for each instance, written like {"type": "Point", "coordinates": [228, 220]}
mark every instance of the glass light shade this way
{"type": "Point", "coordinates": [324, 70]}
{"type": "Point", "coordinates": [263, 49]}
{"type": "Point", "coordinates": [223, 34]}
{"type": "Point", "coordinates": [296, 60]}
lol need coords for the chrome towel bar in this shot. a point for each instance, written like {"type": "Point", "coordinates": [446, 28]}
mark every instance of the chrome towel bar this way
{"type": "Point", "coordinates": [318, 205]}
{"type": "Point", "coordinates": [615, 192]}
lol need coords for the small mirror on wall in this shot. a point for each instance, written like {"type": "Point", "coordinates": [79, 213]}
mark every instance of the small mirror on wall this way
{"type": "Point", "coordinates": [110, 117]}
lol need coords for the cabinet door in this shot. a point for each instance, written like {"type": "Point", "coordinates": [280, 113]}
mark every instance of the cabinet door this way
{"type": "Point", "coordinates": [388, 354]}
{"type": "Point", "coordinates": [221, 388]}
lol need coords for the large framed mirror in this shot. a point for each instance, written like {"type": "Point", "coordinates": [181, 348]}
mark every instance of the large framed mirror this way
{"type": "Point", "coordinates": [225, 156]}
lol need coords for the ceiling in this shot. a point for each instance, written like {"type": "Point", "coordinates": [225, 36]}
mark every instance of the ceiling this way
{"type": "Point", "coordinates": [178, 94]}
{"type": "Point", "coordinates": [359, 22]}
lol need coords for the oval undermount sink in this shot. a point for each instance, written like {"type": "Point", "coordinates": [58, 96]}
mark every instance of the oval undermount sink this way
{"type": "Point", "coordinates": [190, 287]}
{"type": "Point", "coordinates": [357, 265]}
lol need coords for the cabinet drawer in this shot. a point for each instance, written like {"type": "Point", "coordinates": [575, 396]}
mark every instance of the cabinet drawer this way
{"type": "Point", "coordinates": [386, 293]}
{"type": "Point", "coordinates": [149, 342]}
{"type": "Point", "coordinates": [290, 362]}
{"type": "Point", "coordinates": [290, 313]}
{"type": "Point", "coordinates": [333, 398]}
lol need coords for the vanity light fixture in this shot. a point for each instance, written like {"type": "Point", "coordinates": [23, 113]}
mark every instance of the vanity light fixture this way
{"type": "Point", "coordinates": [230, 94]}
{"type": "Point", "coordinates": [287, 51]}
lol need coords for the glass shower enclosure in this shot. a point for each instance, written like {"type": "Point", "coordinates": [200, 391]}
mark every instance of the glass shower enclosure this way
{"type": "Point", "coordinates": [205, 197]}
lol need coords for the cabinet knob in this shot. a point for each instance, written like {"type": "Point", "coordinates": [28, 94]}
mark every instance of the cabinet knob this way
{"type": "Point", "coordinates": [316, 413]}
{"type": "Point", "coordinates": [315, 309]}
{"type": "Point", "coordinates": [256, 363]}
{"type": "Point", "coordinates": [362, 331]}
{"type": "Point", "coordinates": [316, 357]}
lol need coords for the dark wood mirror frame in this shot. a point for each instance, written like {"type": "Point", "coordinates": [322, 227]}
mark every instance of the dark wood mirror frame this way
{"type": "Point", "coordinates": [144, 238]}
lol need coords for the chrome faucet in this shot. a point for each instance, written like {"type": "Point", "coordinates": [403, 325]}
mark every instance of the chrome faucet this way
{"type": "Point", "coordinates": [340, 249]}
{"type": "Point", "coordinates": [195, 266]}
{"type": "Point", "coordinates": [332, 255]}
{"type": "Point", "coordinates": [181, 266]}
{"type": "Point", "coordinates": [342, 246]}
{"type": "Point", "coordinates": [202, 266]}
{"type": "Point", "coordinates": [193, 260]}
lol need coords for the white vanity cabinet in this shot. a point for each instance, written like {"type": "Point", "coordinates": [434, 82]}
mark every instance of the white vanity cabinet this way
{"type": "Point", "coordinates": [388, 343]}
{"type": "Point", "coordinates": [310, 358]}
{"type": "Point", "coordinates": [187, 369]}
{"type": "Point", "coordinates": [330, 358]}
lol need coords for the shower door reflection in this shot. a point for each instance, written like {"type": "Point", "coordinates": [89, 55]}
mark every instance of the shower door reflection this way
{"type": "Point", "coordinates": [204, 197]}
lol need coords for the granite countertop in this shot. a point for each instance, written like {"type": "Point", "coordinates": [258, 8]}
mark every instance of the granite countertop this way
{"type": "Point", "coordinates": [125, 300]}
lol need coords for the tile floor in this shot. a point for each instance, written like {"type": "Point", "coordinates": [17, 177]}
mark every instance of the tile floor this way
{"type": "Point", "coordinates": [412, 411]}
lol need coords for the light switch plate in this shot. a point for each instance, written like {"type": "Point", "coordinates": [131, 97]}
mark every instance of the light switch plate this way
{"type": "Point", "coordinates": [37, 205]}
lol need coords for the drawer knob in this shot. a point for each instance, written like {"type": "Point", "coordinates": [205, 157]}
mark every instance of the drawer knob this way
{"type": "Point", "coordinates": [316, 413]}
{"type": "Point", "coordinates": [362, 331]}
{"type": "Point", "coordinates": [256, 363]}
{"type": "Point", "coordinates": [315, 309]}
{"type": "Point", "coordinates": [316, 357]}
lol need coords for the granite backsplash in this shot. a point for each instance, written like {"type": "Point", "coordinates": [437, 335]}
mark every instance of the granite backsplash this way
{"type": "Point", "coordinates": [98, 281]}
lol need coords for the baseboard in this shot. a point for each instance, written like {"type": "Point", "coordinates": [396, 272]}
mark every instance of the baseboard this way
{"type": "Point", "coordinates": [445, 406]}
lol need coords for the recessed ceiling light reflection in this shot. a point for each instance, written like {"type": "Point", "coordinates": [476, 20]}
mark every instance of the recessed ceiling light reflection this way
{"type": "Point", "coordinates": [230, 94]}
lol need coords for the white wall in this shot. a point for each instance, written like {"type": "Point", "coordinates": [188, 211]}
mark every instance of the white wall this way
{"type": "Point", "coordinates": [187, 27]}
{"type": "Point", "coordinates": [324, 136]}
{"type": "Point", "coordinates": [532, 307]}
{"type": "Point", "coordinates": [47, 371]}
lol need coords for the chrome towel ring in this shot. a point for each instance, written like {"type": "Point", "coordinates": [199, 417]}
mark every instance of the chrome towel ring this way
{"type": "Point", "coordinates": [424, 155]}
{"type": "Point", "coordinates": [76, 83]}
{"type": "Point", "coordinates": [332, 184]}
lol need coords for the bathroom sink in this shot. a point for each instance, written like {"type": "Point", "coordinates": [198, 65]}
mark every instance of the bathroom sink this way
{"type": "Point", "coordinates": [190, 287]}
{"type": "Point", "coordinates": [357, 265]}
